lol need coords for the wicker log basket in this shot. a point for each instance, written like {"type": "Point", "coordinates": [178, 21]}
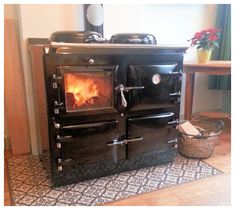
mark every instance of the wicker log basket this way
{"type": "Point", "coordinates": [200, 146]}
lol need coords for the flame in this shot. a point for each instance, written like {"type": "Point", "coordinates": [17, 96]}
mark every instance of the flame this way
{"type": "Point", "coordinates": [82, 87]}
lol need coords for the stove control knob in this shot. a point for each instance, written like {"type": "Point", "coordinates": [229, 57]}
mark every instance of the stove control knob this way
{"type": "Point", "coordinates": [91, 61]}
{"type": "Point", "coordinates": [60, 168]}
{"type": "Point", "coordinates": [58, 145]}
{"type": "Point", "coordinates": [57, 125]}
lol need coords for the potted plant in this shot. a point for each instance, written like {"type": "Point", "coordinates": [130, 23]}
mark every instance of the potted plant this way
{"type": "Point", "coordinates": [206, 41]}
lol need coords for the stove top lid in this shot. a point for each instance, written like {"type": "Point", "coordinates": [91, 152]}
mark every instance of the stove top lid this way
{"type": "Point", "coordinates": [77, 37]}
{"type": "Point", "coordinates": [133, 38]}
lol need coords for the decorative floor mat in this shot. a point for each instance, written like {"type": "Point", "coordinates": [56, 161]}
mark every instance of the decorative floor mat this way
{"type": "Point", "coordinates": [30, 185]}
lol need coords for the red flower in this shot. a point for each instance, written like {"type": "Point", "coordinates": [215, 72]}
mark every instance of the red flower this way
{"type": "Point", "coordinates": [206, 39]}
{"type": "Point", "coordinates": [213, 37]}
{"type": "Point", "coordinates": [198, 35]}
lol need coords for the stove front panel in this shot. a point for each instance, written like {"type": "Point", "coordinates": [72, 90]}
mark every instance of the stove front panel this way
{"type": "Point", "coordinates": [111, 110]}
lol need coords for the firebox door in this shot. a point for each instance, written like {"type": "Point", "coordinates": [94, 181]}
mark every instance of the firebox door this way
{"type": "Point", "coordinates": [85, 88]}
{"type": "Point", "coordinates": [161, 82]}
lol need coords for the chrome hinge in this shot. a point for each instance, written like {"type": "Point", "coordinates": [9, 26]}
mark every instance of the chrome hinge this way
{"type": "Point", "coordinates": [64, 139]}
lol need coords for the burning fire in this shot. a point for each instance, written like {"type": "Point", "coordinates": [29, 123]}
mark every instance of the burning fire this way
{"type": "Point", "coordinates": [83, 88]}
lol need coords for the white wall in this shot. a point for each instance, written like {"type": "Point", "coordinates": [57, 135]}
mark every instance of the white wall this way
{"type": "Point", "coordinates": [40, 20]}
{"type": "Point", "coordinates": [171, 24]}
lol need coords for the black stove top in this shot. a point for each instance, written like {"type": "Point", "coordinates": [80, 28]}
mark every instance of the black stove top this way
{"type": "Point", "coordinates": [94, 37]}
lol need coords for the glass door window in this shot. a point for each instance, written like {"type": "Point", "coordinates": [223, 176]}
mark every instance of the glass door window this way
{"type": "Point", "coordinates": [88, 90]}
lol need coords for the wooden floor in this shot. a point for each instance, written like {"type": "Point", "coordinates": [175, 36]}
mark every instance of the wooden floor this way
{"type": "Point", "coordinates": [209, 191]}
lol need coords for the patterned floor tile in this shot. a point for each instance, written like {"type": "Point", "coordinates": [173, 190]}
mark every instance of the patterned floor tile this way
{"type": "Point", "coordinates": [85, 200]}
{"type": "Point", "coordinates": [30, 182]}
{"type": "Point", "coordinates": [44, 201]}
{"type": "Point", "coordinates": [122, 195]}
{"type": "Point", "coordinates": [109, 193]}
{"type": "Point", "coordinates": [94, 191]}
{"type": "Point", "coordinates": [171, 178]}
{"type": "Point", "coordinates": [101, 182]}
{"type": "Point", "coordinates": [17, 195]}
{"type": "Point", "coordinates": [132, 188]}
{"type": "Point", "coordinates": [69, 197]}
{"type": "Point", "coordinates": [54, 193]}
{"type": "Point", "coordinates": [27, 200]}
{"type": "Point", "coordinates": [25, 187]}
{"type": "Point", "coordinates": [151, 183]}
{"type": "Point", "coordinates": [142, 173]}
{"type": "Point", "coordinates": [144, 189]}
{"type": "Point", "coordinates": [137, 180]}
{"type": "Point", "coordinates": [122, 178]}
{"type": "Point", "coordinates": [79, 188]}
{"type": "Point", "coordinates": [38, 191]}
{"type": "Point", "coordinates": [101, 200]}
{"type": "Point", "coordinates": [117, 185]}
{"type": "Point", "coordinates": [156, 176]}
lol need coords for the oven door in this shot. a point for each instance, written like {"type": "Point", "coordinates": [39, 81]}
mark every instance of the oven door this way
{"type": "Point", "coordinates": [158, 134]}
{"type": "Point", "coordinates": [88, 143]}
{"type": "Point", "coordinates": [161, 86]}
{"type": "Point", "coordinates": [84, 90]}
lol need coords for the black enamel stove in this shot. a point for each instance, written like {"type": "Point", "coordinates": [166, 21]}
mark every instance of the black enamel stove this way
{"type": "Point", "coordinates": [111, 107]}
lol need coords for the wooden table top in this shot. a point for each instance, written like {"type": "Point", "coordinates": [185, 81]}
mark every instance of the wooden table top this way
{"type": "Point", "coordinates": [211, 67]}
{"type": "Point", "coordinates": [209, 64]}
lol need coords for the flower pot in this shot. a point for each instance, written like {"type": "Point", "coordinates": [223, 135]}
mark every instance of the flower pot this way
{"type": "Point", "coordinates": [203, 56]}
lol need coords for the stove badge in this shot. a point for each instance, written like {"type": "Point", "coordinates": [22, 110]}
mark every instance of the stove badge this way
{"type": "Point", "coordinates": [156, 79]}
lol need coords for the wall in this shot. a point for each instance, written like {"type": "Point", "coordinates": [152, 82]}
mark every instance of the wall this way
{"type": "Point", "coordinates": [39, 21]}
{"type": "Point", "coordinates": [171, 24]}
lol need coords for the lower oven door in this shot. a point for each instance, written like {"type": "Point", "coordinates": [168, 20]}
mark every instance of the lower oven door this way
{"type": "Point", "coordinates": [158, 134]}
{"type": "Point", "coordinates": [87, 143]}
{"type": "Point", "coordinates": [161, 85]}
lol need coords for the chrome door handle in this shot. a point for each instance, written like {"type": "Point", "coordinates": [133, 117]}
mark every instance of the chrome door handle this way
{"type": "Point", "coordinates": [124, 102]}
{"type": "Point", "coordinates": [175, 94]}
{"type": "Point", "coordinates": [124, 141]}
{"type": "Point", "coordinates": [121, 88]}
{"type": "Point", "coordinates": [177, 72]}
{"type": "Point", "coordinates": [126, 89]}
{"type": "Point", "coordinates": [173, 122]}
{"type": "Point", "coordinates": [132, 140]}
{"type": "Point", "coordinates": [173, 141]}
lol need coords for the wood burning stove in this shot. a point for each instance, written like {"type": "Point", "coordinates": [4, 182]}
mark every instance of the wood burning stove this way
{"type": "Point", "coordinates": [111, 107]}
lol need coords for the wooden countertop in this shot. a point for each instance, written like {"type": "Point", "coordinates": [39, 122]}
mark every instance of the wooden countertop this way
{"type": "Point", "coordinates": [212, 67]}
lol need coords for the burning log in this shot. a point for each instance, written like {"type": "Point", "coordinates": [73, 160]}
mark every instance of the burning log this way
{"type": "Point", "coordinates": [92, 102]}
{"type": "Point", "coordinates": [70, 101]}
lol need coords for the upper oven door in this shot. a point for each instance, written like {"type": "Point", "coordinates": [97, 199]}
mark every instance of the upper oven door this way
{"type": "Point", "coordinates": [86, 90]}
{"type": "Point", "coordinates": [161, 85]}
